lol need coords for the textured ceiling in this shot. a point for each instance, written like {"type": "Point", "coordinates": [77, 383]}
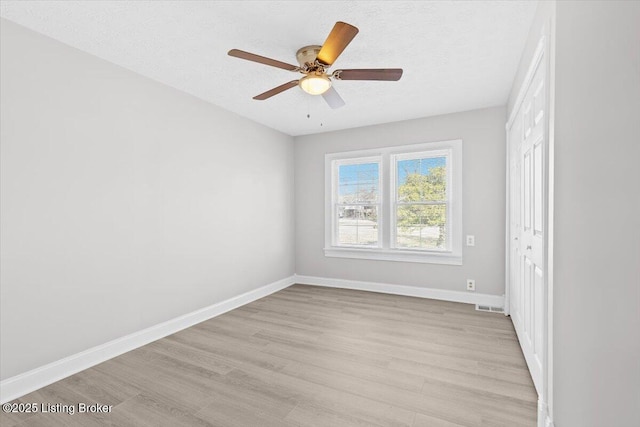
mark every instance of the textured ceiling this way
{"type": "Point", "coordinates": [456, 55]}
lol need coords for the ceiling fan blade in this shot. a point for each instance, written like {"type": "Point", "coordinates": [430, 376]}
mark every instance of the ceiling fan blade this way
{"type": "Point", "coordinates": [276, 90]}
{"type": "Point", "coordinates": [333, 99]}
{"type": "Point", "coordinates": [386, 74]}
{"type": "Point", "coordinates": [261, 59]}
{"type": "Point", "coordinates": [339, 37]}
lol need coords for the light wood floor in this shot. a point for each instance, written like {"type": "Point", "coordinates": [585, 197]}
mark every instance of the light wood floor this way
{"type": "Point", "coordinates": [311, 356]}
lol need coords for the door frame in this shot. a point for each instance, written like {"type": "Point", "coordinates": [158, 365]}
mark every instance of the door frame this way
{"type": "Point", "coordinates": [545, 51]}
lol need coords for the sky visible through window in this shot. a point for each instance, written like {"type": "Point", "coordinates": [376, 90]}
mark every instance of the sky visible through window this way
{"type": "Point", "coordinates": [358, 178]}
{"type": "Point", "coordinates": [421, 166]}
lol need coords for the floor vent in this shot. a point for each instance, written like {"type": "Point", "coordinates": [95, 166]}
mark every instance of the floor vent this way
{"type": "Point", "coordinates": [489, 309]}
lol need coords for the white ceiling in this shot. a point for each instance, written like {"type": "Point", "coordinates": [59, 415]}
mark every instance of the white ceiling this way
{"type": "Point", "coordinates": [456, 55]}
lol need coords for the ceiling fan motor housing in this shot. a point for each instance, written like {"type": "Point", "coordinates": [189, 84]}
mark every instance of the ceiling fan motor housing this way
{"type": "Point", "coordinates": [307, 55]}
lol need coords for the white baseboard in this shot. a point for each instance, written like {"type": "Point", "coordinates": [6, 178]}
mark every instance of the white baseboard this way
{"type": "Point", "coordinates": [410, 291]}
{"type": "Point", "coordinates": [14, 387]}
{"type": "Point", "coordinates": [544, 418]}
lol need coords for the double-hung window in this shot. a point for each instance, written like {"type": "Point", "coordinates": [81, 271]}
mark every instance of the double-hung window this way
{"type": "Point", "coordinates": [399, 203]}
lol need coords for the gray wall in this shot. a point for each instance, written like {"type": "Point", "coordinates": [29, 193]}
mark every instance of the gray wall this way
{"type": "Point", "coordinates": [125, 203]}
{"type": "Point", "coordinates": [483, 135]}
{"type": "Point", "coordinates": [597, 215]}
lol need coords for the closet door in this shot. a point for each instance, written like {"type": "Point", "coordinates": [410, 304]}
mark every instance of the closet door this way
{"type": "Point", "coordinates": [527, 225]}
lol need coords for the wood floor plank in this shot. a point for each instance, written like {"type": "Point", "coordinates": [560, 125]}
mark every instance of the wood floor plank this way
{"type": "Point", "coordinates": [148, 411]}
{"type": "Point", "coordinates": [309, 414]}
{"type": "Point", "coordinates": [312, 356]}
{"type": "Point", "coordinates": [230, 413]}
{"type": "Point", "coordinates": [422, 420]}
{"type": "Point", "coordinates": [416, 402]}
{"type": "Point", "coordinates": [11, 419]}
{"type": "Point", "coordinates": [338, 400]}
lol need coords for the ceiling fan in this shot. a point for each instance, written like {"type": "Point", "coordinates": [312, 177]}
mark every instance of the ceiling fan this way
{"type": "Point", "coordinates": [314, 61]}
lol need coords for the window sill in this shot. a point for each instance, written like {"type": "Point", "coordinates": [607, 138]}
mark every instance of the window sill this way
{"type": "Point", "coordinates": [394, 255]}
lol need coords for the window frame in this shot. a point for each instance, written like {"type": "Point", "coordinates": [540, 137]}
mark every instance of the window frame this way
{"type": "Point", "coordinates": [387, 247]}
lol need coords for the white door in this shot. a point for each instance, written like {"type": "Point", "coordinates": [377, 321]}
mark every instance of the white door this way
{"type": "Point", "coordinates": [527, 300]}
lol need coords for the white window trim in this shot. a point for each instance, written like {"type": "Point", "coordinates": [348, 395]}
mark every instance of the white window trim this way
{"type": "Point", "coordinates": [385, 250]}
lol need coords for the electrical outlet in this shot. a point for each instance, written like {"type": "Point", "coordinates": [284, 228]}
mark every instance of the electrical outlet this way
{"type": "Point", "coordinates": [471, 240]}
{"type": "Point", "coordinates": [471, 285]}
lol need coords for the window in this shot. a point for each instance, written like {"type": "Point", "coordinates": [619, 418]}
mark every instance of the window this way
{"type": "Point", "coordinates": [357, 202]}
{"type": "Point", "coordinates": [396, 203]}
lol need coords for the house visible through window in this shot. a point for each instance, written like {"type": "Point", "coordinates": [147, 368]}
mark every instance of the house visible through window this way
{"type": "Point", "coordinates": [358, 203]}
{"type": "Point", "coordinates": [396, 203]}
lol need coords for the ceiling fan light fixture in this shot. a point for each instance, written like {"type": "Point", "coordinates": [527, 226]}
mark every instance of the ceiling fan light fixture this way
{"type": "Point", "coordinates": [315, 84]}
